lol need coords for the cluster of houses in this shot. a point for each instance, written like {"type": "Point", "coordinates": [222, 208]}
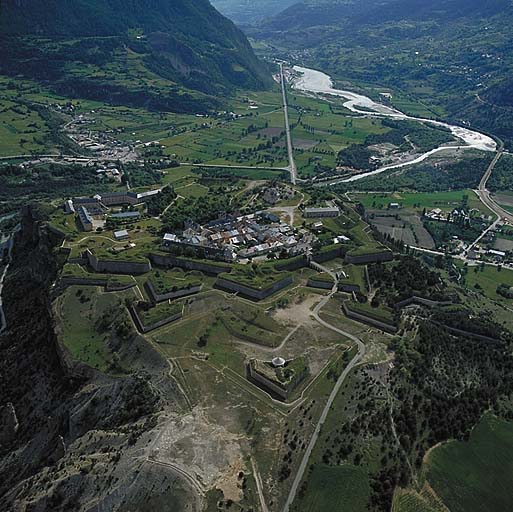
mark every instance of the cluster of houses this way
{"type": "Point", "coordinates": [457, 215]}
{"type": "Point", "coordinates": [242, 237]}
{"type": "Point", "coordinates": [92, 211]}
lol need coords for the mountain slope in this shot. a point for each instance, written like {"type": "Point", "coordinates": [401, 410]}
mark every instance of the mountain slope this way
{"type": "Point", "coordinates": [248, 11]}
{"type": "Point", "coordinates": [378, 12]}
{"type": "Point", "coordinates": [128, 45]}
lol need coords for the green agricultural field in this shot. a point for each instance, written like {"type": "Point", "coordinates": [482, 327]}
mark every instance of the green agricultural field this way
{"type": "Point", "coordinates": [413, 501]}
{"type": "Point", "coordinates": [22, 130]}
{"type": "Point", "coordinates": [446, 201]}
{"type": "Point", "coordinates": [335, 488]}
{"type": "Point", "coordinates": [488, 278]}
{"type": "Point", "coordinates": [178, 176]}
{"type": "Point", "coordinates": [475, 476]}
{"type": "Point", "coordinates": [251, 174]}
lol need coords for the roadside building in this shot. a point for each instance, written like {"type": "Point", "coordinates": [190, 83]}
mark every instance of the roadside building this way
{"type": "Point", "coordinates": [328, 211]}
{"type": "Point", "coordinates": [497, 255]}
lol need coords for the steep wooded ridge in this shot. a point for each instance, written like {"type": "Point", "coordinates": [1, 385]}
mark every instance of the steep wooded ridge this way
{"type": "Point", "coordinates": [456, 56]}
{"type": "Point", "coordinates": [67, 432]}
{"type": "Point", "coordinates": [136, 51]}
{"type": "Point", "coordinates": [378, 12]}
{"type": "Point", "coordinates": [247, 11]}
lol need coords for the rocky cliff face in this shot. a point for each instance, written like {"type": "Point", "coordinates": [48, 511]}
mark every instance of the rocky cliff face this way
{"type": "Point", "coordinates": [69, 435]}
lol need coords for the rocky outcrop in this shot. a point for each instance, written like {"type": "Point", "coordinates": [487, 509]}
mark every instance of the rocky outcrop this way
{"type": "Point", "coordinates": [8, 424]}
{"type": "Point", "coordinates": [59, 418]}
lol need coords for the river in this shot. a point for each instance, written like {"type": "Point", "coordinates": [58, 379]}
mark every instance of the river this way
{"type": "Point", "coordinates": [317, 82]}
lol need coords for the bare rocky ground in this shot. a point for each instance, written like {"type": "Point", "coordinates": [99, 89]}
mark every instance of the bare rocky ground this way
{"type": "Point", "coordinates": [74, 439]}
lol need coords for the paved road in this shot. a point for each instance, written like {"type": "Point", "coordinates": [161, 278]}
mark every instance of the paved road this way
{"type": "Point", "coordinates": [484, 194]}
{"type": "Point", "coordinates": [356, 359]}
{"type": "Point", "coordinates": [290, 147]}
{"type": "Point", "coordinates": [491, 227]}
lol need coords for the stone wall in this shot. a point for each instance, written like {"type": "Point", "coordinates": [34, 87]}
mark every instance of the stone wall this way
{"type": "Point", "coordinates": [105, 282]}
{"type": "Point", "coordinates": [291, 264]}
{"type": "Point", "coordinates": [147, 328]}
{"type": "Point", "coordinates": [156, 297]}
{"type": "Point", "coordinates": [348, 288]}
{"type": "Point", "coordinates": [338, 251]}
{"type": "Point", "coordinates": [78, 261]}
{"type": "Point", "coordinates": [266, 383]}
{"type": "Point", "coordinates": [253, 293]}
{"type": "Point", "coordinates": [318, 283]}
{"type": "Point", "coordinates": [117, 267]}
{"type": "Point", "coordinates": [170, 261]}
{"type": "Point", "coordinates": [422, 301]}
{"type": "Point", "coordinates": [363, 259]}
{"type": "Point", "coordinates": [369, 320]}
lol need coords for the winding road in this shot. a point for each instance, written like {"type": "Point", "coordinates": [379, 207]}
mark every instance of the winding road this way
{"type": "Point", "coordinates": [322, 419]}
{"type": "Point", "coordinates": [484, 194]}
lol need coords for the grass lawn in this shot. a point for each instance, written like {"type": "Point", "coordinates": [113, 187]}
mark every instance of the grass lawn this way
{"type": "Point", "coordinates": [335, 489]}
{"type": "Point", "coordinates": [159, 312]}
{"type": "Point", "coordinates": [355, 275]}
{"type": "Point", "coordinates": [192, 190]}
{"type": "Point", "coordinates": [250, 323]}
{"type": "Point", "coordinates": [260, 278]}
{"type": "Point", "coordinates": [323, 276]}
{"type": "Point", "coordinates": [381, 313]}
{"type": "Point", "coordinates": [66, 224]}
{"type": "Point", "coordinates": [78, 271]}
{"type": "Point", "coordinates": [79, 308]}
{"type": "Point", "coordinates": [165, 281]}
{"type": "Point", "coordinates": [475, 476]}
